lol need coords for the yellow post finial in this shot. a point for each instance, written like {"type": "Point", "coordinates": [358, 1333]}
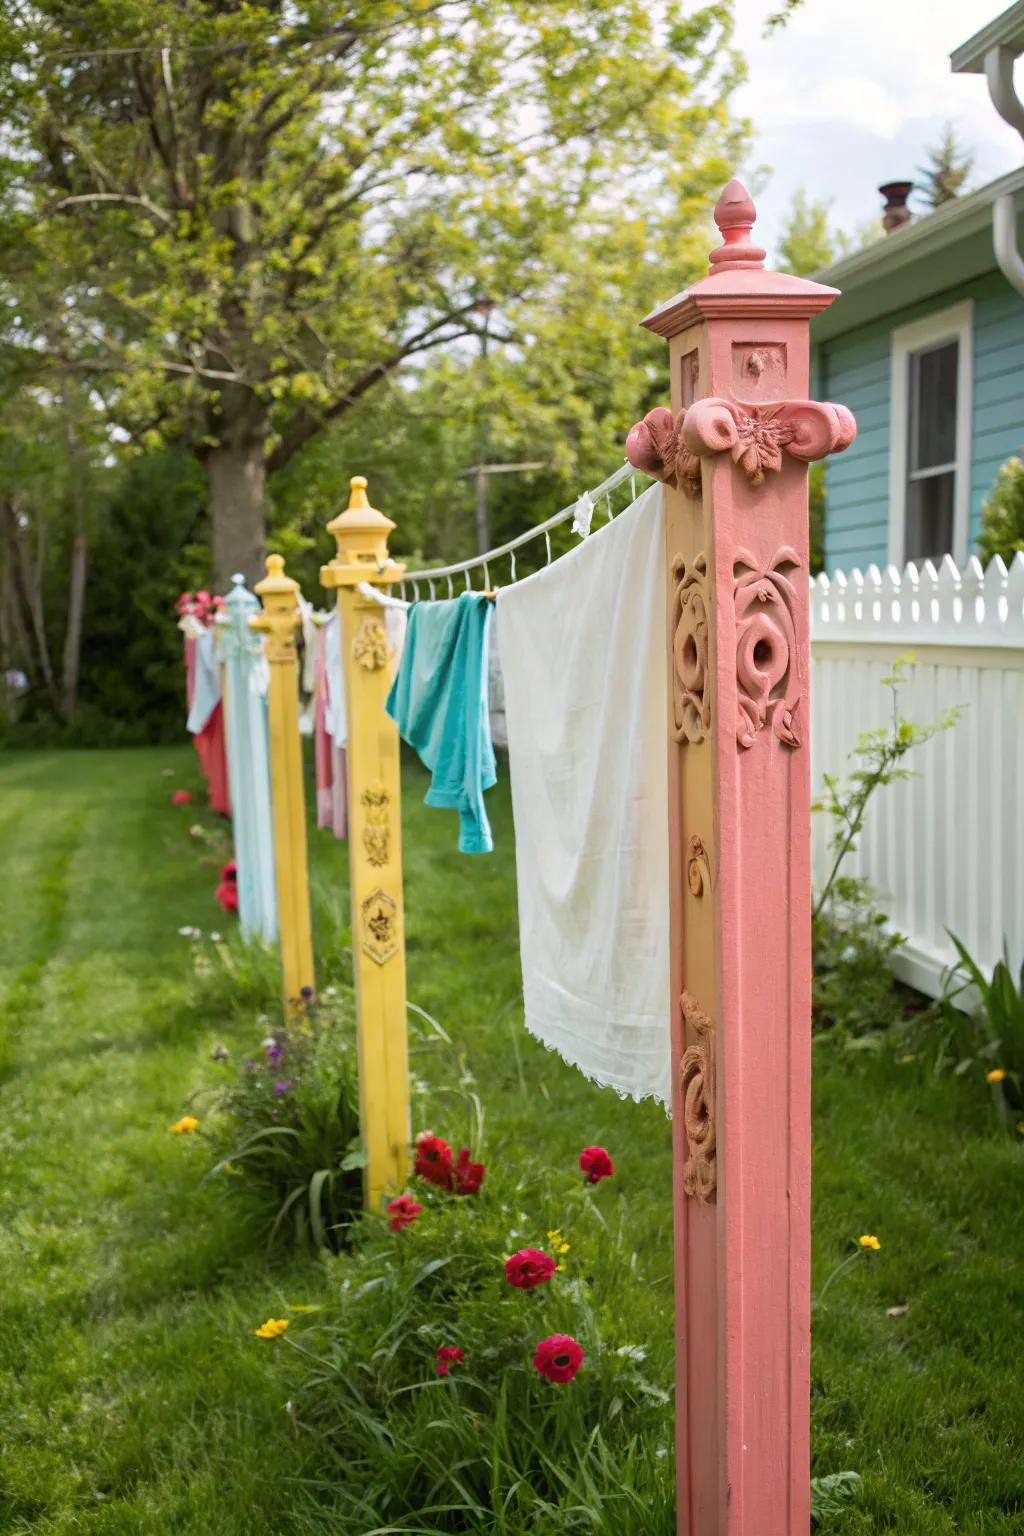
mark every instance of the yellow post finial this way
{"type": "Point", "coordinates": [357, 493]}
{"type": "Point", "coordinates": [279, 621]}
{"type": "Point", "coordinates": [361, 536]}
{"type": "Point", "coordinates": [375, 843]}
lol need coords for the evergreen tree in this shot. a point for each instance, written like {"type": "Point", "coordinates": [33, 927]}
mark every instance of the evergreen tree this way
{"type": "Point", "coordinates": [949, 165]}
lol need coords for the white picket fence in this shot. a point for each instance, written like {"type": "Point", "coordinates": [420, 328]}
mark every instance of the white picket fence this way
{"type": "Point", "coordinates": [944, 850]}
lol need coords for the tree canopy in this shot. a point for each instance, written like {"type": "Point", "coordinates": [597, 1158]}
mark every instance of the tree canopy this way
{"type": "Point", "coordinates": [244, 215]}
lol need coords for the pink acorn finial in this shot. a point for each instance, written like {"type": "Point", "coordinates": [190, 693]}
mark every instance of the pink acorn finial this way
{"type": "Point", "coordinates": [735, 214]}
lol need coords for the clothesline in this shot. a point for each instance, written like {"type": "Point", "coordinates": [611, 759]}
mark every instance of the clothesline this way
{"type": "Point", "coordinates": [581, 510]}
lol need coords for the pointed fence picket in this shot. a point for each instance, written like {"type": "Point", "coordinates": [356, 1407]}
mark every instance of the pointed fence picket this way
{"type": "Point", "coordinates": [944, 850]}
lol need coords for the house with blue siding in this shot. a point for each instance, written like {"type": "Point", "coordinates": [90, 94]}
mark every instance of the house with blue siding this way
{"type": "Point", "coordinates": [926, 347]}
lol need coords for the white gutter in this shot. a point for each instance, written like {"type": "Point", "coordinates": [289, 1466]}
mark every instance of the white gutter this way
{"type": "Point", "coordinates": [995, 49]}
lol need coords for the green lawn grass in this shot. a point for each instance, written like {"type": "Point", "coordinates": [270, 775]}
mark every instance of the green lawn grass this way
{"type": "Point", "coordinates": [133, 1395]}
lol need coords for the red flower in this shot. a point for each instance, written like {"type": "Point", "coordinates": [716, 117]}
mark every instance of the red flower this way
{"type": "Point", "coordinates": [181, 797]}
{"type": "Point", "coordinates": [227, 894]}
{"type": "Point", "coordinates": [468, 1175]}
{"type": "Point", "coordinates": [596, 1164]}
{"type": "Point", "coordinates": [403, 1213]}
{"type": "Point", "coordinates": [184, 603]}
{"type": "Point", "coordinates": [447, 1356]}
{"type": "Point", "coordinates": [230, 871]}
{"type": "Point", "coordinates": [558, 1357]}
{"type": "Point", "coordinates": [433, 1160]}
{"type": "Point", "coordinates": [529, 1267]}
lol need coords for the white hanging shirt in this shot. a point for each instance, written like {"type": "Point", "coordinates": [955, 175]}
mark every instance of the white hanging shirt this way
{"type": "Point", "coordinates": [584, 660]}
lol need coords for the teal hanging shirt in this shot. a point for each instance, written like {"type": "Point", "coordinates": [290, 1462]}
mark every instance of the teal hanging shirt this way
{"type": "Point", "coordinates": [439, 702]}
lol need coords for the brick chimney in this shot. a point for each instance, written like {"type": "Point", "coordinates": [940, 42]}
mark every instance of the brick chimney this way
{"type": "Point", "coordinates": [896, 213]}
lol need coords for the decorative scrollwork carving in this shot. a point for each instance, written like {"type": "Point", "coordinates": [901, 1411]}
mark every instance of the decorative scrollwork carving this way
{"type": "Point", "coordinates": [656, 446]}
{"type": "Point", "coordinates": [670, 448]}
{"type": "Point", "coordinates": [700, 1173]}
{"type": "Point", "coordinates": [380, 926]}
{"type": "Point", "coordinates": [698, 867]}
{"type": "Point", "coordinates": [691, 673]}
{"type": "Point", "coordinates": [370, 647]}
{"type": "Point", "coordinates": [376, 828]}
{"type": "Point", "coordinates": [768, 662]}
{"type": "Point", "coordinates": [756, 435]}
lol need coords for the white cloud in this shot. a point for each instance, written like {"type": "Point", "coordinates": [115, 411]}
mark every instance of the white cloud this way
{"type": "Point", "coordinates": [844, 99]}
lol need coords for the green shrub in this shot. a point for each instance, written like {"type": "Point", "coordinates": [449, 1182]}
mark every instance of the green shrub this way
{"type": "Point", "coordinates": [986, 1040]}
{"type": "Point", "coordinates": [284, 1126]}
{"type": "Point", "coordinates": [854, 991]}
{"type": "Point", "coordinates": [1002, 515]}
{"type": "Point", "coordinates": [491, 1446]}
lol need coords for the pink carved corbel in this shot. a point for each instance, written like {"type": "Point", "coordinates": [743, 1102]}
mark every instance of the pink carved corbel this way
{"type": "Point", "coordinates": [756, 435]}
{"type": "Point", "coordinates": [656, 446]}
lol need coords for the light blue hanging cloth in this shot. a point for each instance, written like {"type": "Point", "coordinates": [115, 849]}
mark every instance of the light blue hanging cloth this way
{"type": "Point", "coordinates": [439, 701]}
{"type": "Point", "coordinates": [245, 709]}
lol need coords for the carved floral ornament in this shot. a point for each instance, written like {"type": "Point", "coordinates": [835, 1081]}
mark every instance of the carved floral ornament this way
{"type": "Point", "coordinates": [691, 675]}
{"type": "Point", "coordinates": [670, 448]}
{"type": "Point", "coordinates": [700, 1173]}
{"type": "Point", "coordinates": [370, 647]}
{"type": "Point", "coordinates": [380, 926]}
{"type": "Point", "coordinates": [376, 830]}
{"type": "Point", "coordinates": [769, 669]}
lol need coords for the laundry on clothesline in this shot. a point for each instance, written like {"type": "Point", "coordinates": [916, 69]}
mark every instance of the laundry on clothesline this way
{"type": "Point", "coordinates": [240, 650]}
{"type": "Point", "coordinates": [439, 701]}
{"type": "Point", "coordinates": [584, 667]}
{"type": "Point", "coordinates": [330, 731]}
{"type": "Point", "coordinates": [206, 715]}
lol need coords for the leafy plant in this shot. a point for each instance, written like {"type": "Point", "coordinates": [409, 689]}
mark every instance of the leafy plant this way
{"type": "Point", "coordinates": [285, 1127]}
{"type": "Point", "coordinates": [490, 1445]}
{"type": "Point", "coordinates": [853, 987]}
{"type": "Point", "coordinates": [854, 990]}
{"type": "Point", "coordinates": [992, 1033]}
{"type": "Point", "coordinates": [832, 1494]}
{"type": "Point", "coordinates": [1002, 514]}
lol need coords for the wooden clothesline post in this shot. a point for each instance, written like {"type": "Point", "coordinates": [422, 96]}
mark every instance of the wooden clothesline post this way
{"type": "Point", "coordinates": [733, 451]}
{"type": "Point", "coordinates": [279, 622]}
{"type": "Point", "coordinates": [375, 842]}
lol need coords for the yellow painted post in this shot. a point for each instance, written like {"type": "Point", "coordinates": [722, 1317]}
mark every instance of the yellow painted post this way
{"type": "Point", "coordinates": [375, 843]}
{"type": "Point", "coordinates": [279, 622]}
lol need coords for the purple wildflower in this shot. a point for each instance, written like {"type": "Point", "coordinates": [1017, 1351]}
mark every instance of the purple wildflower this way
{"type": "Point", "coordinates": [282, 1087]}
{"type": "Point", "coordinates": [275, 1051]}
{"type": "Point", "coordinates": [250, 1065]}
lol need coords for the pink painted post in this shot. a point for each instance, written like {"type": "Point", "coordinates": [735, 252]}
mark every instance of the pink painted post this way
{"type": "Point", "coordinates": [733, 451]}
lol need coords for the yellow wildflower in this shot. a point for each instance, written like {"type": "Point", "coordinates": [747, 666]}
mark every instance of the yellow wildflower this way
{"type": "Point", "coordinates": [906, 1060]}
{"type": "Point", "coordinates": [869, 1241]}
{"type": "Point", "coordinates": [272, 1328]}
{"type": "Point", "coordinates": [558, 1243]}
{"type": "Point", "coordinates": [185, 1125]}
{"type": "Point", "coordinates": [996, 1075]}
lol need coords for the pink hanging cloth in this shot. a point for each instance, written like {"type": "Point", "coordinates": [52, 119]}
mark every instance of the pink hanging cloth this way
{"type": "Point", "coordinates": [202, 694]}
{"type": "Point", "coordinates": [331, 767]}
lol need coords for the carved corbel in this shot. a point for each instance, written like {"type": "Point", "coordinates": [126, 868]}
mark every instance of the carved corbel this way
{"type": "Point", "coordinates": [656, 446]}
{"type": "Point", "coordinates": [757, 435]}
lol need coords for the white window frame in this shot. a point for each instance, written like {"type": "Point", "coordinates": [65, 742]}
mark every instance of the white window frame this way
{"type": "Point", "coordinates": [953, 324]}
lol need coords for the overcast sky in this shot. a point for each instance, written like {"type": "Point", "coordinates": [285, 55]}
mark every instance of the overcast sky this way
{"type": "Point", "coordinates": [851, 95]}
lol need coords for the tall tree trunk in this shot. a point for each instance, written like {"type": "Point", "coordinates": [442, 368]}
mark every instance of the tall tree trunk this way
{"type": "Point", "coordinates": [236, 475]}
{"type": "Point", "coordinates": [72, 656]}
{"type": "Point", "coordinates": [27, 582]}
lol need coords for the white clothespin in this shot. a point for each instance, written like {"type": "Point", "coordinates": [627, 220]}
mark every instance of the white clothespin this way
{"type": "Point", "coordinates": [583, 515]}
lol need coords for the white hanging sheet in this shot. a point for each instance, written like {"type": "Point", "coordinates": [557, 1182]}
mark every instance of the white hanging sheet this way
{"type": "Point", "coordinates": [583, 655]}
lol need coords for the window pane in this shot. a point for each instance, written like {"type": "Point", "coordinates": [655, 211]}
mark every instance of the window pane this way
{"type": "Point", "coordinates": [933, 406]}
{"type": "Point", "coordinates": [930, 517]}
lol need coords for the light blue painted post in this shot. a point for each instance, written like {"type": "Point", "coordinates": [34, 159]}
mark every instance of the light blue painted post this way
{"type": "Point", "coordinates": [245, 706]}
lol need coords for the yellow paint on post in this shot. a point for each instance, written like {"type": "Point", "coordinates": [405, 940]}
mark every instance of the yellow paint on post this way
{"type": "Point", "coordinates": [375, 843]}
{"type": "Point", "coordinates": [279, 622]}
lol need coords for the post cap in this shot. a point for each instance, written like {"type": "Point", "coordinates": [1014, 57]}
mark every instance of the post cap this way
{"type": "Point", "coordinates": [361, 536]}
{"type": "Point", "coordinates": [275, 583]}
